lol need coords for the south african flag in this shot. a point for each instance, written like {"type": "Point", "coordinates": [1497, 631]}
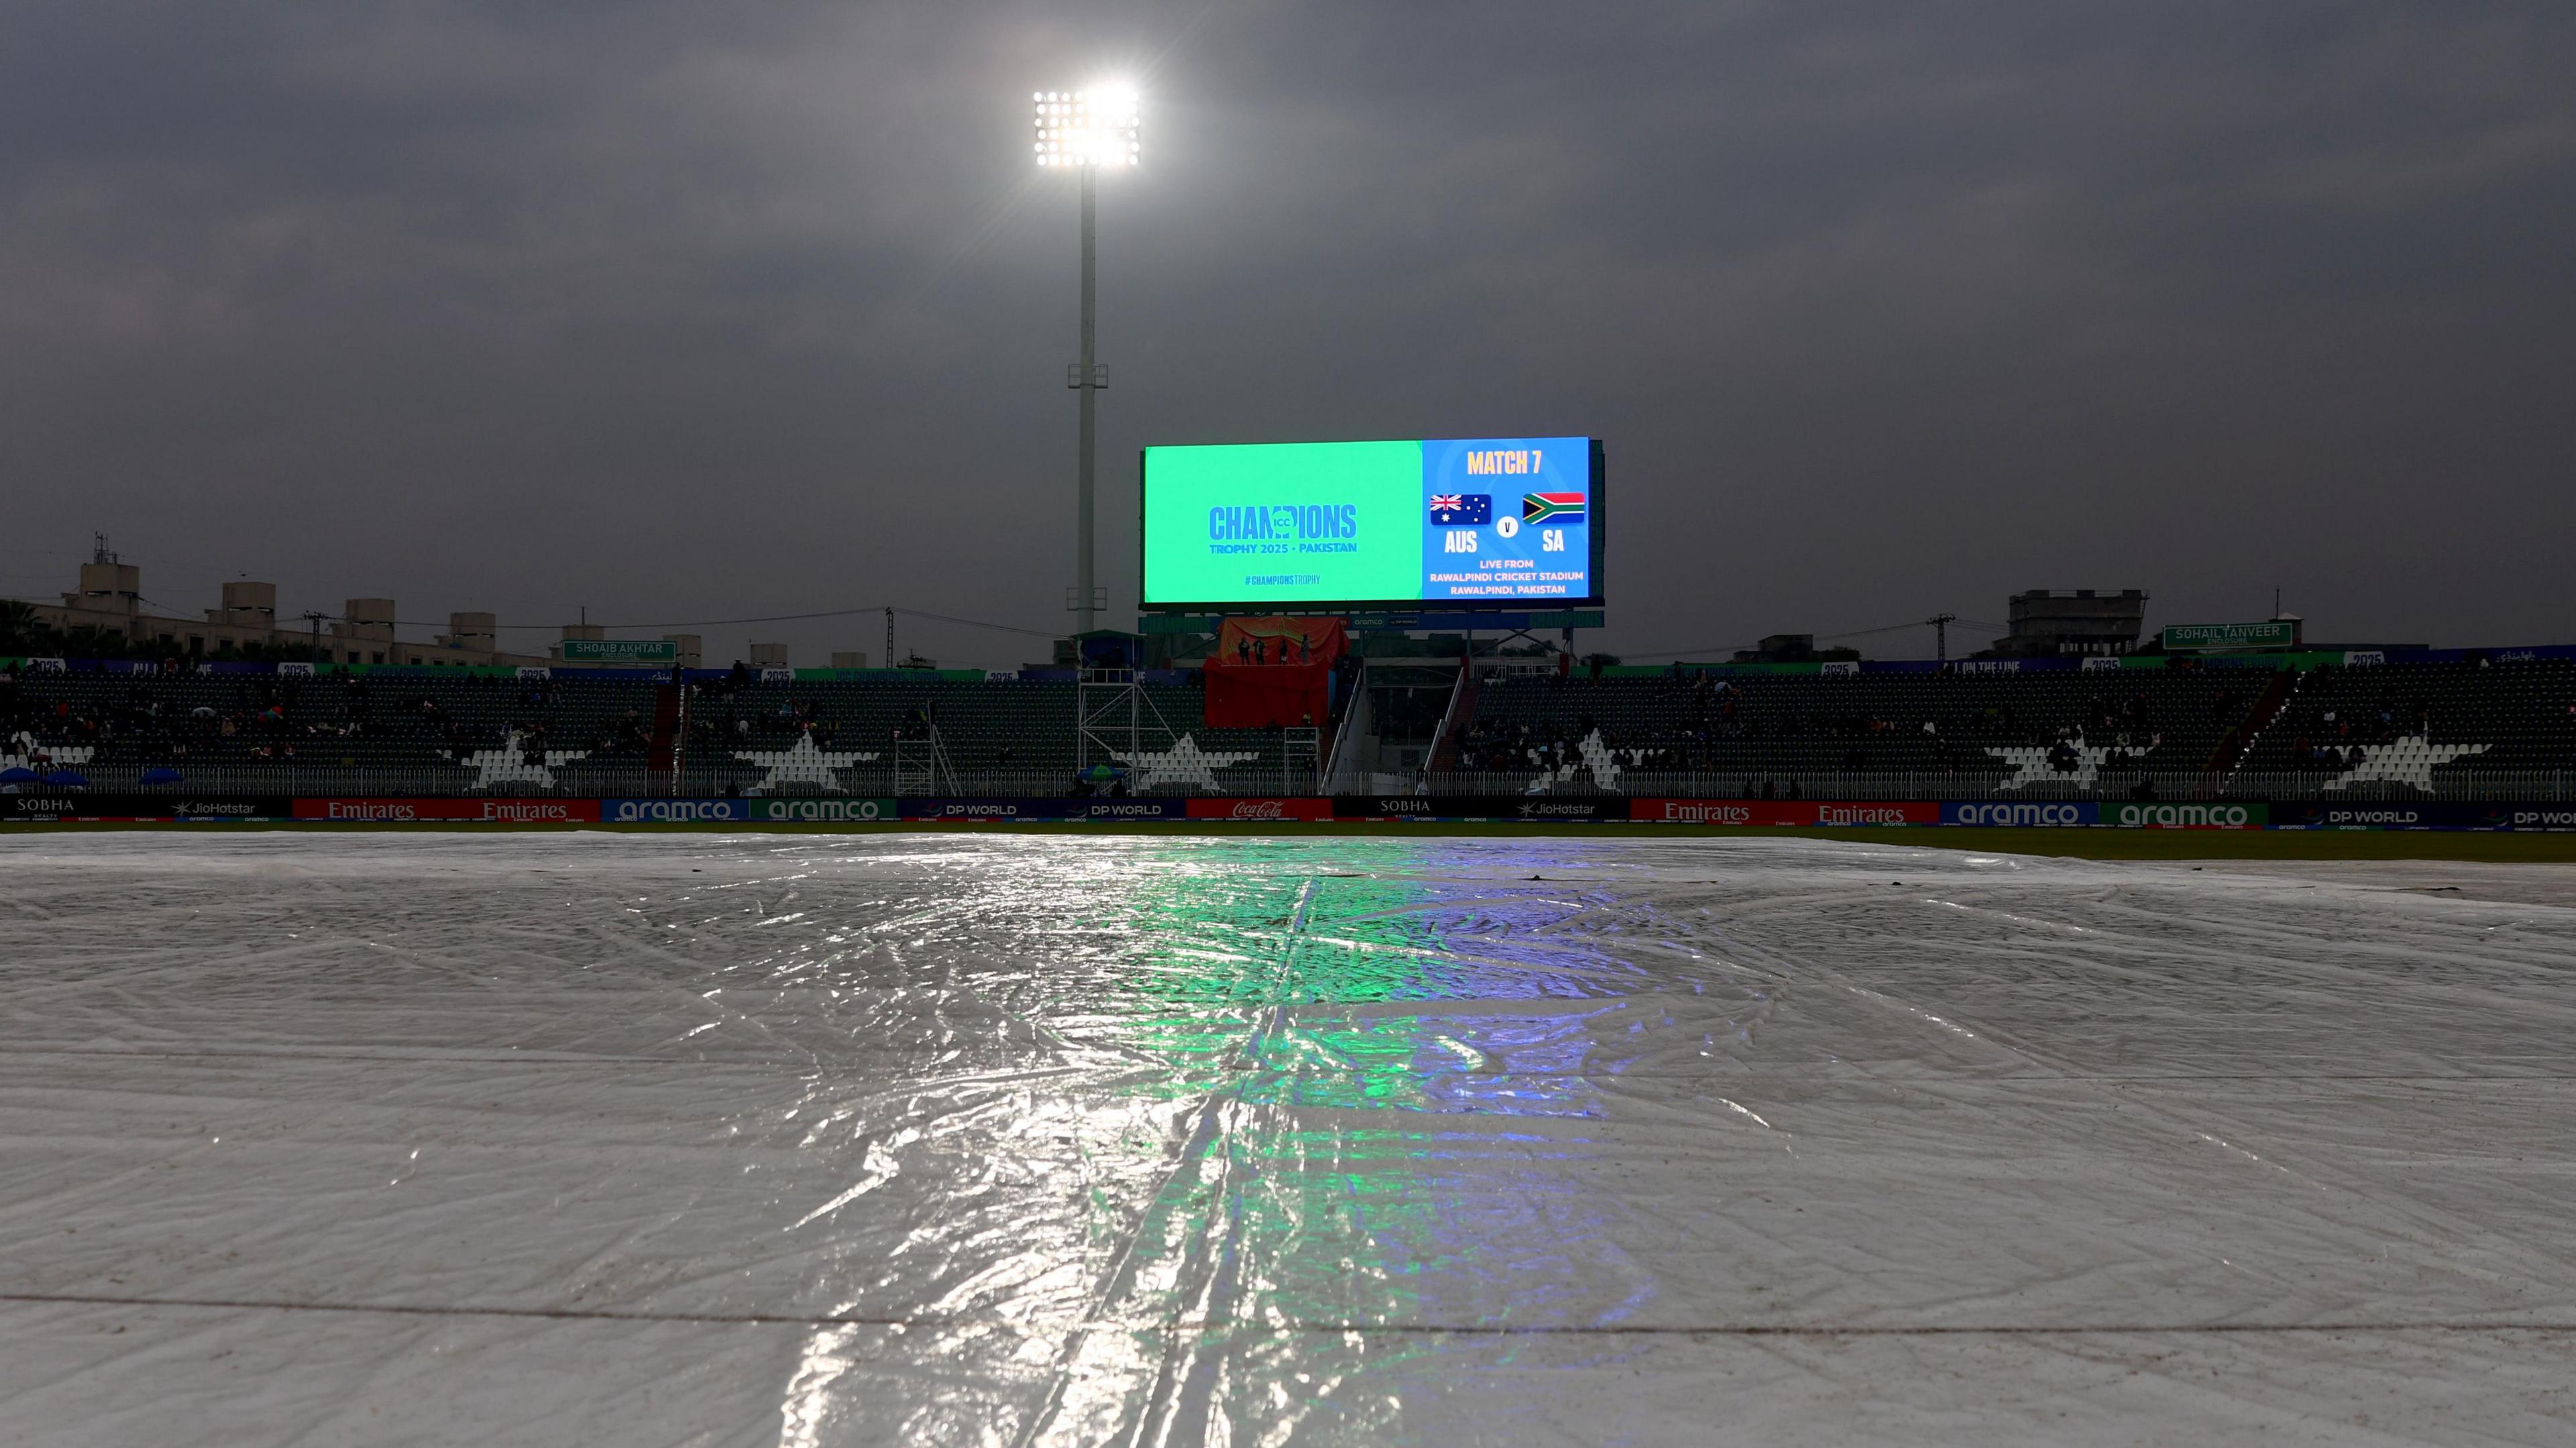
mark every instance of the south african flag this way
{"type": "Point", "coordinates": [1551, 507]}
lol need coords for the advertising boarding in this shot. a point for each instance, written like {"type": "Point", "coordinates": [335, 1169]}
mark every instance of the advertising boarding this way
{"type": "Point", "coordinates": [667, 811]}
{"type": "Point", "coordinates": [80, 806]}
{"type": "Point", "coordinates": [2422, 814]}
{"type": "Point", "coordinates": [1031, 811]}
{"type": "Point", "coordinates": [450, 811]}
{"type": "Point", "coordinates": [178, 808]}
{"type": "Point", "coordinates": [2021, 813]}
{"type": "Point", "coordinates": [1786, 813]}
{"type": "Point", "coordinates": [791, 809]}
{"type": "Point", "coordinates": [1257, 810]}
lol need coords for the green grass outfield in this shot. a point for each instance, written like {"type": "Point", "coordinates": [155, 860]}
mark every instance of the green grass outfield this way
{"type": "Point", "coordinates": [2078, 843]}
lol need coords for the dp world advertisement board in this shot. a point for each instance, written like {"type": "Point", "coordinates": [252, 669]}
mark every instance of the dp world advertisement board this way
{"type": "Point", "coordinates": [1486, 522]}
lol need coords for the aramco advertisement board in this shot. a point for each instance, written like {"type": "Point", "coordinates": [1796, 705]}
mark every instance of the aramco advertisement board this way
{"type": "Point", "coordinates": [1460, 523]}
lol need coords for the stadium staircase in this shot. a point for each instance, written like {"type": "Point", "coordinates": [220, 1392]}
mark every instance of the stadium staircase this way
{"type": "Point", "coordinates": [2240, 740]}
{"type": "Point", "coordinates": [1343, 771]}
{"type": "Point", "coordinates": [1394, 723]}
{"type": "Point", "coordinates": [1453, 725]}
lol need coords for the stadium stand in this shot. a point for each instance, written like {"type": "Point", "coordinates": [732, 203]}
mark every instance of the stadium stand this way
{"type": "Point", "coordinates": [1973, 731]}
{"type": "Point", "coordinates": [453, 731]}
{"type": "Point", "coordinates": [2490, 725]}
{"type": "Point", "coordinates": [2409, 729]}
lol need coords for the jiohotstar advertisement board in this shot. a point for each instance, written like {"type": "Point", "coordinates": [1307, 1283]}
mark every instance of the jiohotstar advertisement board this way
{"type": "Point", "coordinates": [1463, 523]}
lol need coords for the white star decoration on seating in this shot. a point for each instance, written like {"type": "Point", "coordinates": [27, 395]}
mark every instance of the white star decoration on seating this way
{"type": "Point", "coordinates": [802, 763]}
{"type": "Point", "coordinates": [22, 752]}
{"type": "Point", "coordinates": [2031, 764]}
{"type": "Point", "coordinates": [2407, 761]}
{"type": "Point", "coordinates": [1183, 763]}
{"type": "Point", "coordinates": [1590, 754]}
{"type": "Point", "coordinates": [510, 764]}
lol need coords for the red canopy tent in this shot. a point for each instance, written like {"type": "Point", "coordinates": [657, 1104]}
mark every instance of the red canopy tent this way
{"type": "Point", "coordinates": [1273, 671]}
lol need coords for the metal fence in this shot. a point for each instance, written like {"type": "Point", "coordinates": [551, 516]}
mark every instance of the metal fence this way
{"type": "Point", "coordinates": [611, 781]}
{"type": "Point", "coordinates": [586, 781]}
{"type": "Point", "coordinates": [2179, 785]}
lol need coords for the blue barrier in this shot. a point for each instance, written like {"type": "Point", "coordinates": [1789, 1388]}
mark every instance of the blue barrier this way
{"type": "Point", "coordinates": [1005, 811]}
{"type": "Point", "coordinates": [673, 811]}
{"type": "Point", "coordinates": [2021, 813]}
{"type": "Point", "coordinates": [2430, 814]}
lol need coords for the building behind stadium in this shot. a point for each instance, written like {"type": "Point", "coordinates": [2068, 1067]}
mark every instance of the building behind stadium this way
{"type": "Point", "coordinates": [110, 601]}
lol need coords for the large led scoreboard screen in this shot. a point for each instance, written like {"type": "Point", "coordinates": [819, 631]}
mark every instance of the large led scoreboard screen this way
{"type": "Point", "coordinates": [1486, 522]}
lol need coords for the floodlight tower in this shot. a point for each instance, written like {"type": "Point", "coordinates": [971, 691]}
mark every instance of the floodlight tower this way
{"type": "Point", "coordinates": [1091, 131]}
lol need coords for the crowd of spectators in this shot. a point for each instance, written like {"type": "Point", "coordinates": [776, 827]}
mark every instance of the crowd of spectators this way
{"type": "Point", "coordinates": [285, 718]}
{"type": "Point", "coordinates": [1503, 746]}
{"type": "Point", "coordinates": [255, 719]}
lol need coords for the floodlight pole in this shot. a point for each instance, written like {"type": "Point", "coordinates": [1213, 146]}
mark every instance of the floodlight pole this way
{"type": "Point", "coordinates": [1084, 620]}
{"type": "Point", "coordinates": [1086, 131]}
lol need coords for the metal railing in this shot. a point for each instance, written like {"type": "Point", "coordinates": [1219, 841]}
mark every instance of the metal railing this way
{"type": "Point", "coordinates": [704, 779]}
{"type": "Point", "coordinates": [2180, 785]}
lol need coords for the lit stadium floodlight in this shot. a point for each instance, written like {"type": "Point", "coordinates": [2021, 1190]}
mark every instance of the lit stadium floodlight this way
{"type": "Point", "coordinates": [1089, 131]}
{"type": "Point", "coordinates": [1096, 127]}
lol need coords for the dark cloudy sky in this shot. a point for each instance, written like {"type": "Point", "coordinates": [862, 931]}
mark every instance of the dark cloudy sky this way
{"type": "Point", "coordinates": [683, 311]}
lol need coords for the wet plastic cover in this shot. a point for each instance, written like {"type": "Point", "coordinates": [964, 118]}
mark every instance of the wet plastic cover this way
{"type": "Point", "coordinates": [1012, 1140]}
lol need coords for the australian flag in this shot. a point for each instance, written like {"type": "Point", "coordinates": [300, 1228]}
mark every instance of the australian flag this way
{"type": "Point", "coordinates": [1453, 509]}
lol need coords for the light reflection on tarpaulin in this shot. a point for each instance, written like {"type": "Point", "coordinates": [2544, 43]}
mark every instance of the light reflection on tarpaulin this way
{"type": "Point", "coordinates": [1018, 1138]}
{"type": "Point", "coordinates": [1324, 1006]}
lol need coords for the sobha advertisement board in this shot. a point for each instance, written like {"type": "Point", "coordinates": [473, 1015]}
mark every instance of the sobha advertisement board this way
{"type": "Point", "coordinates": [1461, 523]}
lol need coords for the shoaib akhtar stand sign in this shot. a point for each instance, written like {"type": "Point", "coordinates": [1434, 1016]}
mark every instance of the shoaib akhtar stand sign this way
{"type": "Point", "coordinates": [621, 651]}
{"type": "Point", "coordinates": [1464, 523]}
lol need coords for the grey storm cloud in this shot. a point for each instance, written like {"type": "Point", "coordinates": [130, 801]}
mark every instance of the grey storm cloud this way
{"type": "Point", "coordinates": [678, 312]}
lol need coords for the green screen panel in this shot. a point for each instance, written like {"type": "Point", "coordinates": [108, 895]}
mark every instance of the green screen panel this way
{"type": "Point", "coordinates": [1305, 522]}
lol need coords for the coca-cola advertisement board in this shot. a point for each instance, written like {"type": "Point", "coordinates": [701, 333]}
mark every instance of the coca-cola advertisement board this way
{"type": "Point", "coordinates": [1261, 809]}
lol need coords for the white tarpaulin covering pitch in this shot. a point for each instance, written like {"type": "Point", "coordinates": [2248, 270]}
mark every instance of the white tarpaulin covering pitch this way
{"type": "Point", "coordinates": [945, 1139]}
